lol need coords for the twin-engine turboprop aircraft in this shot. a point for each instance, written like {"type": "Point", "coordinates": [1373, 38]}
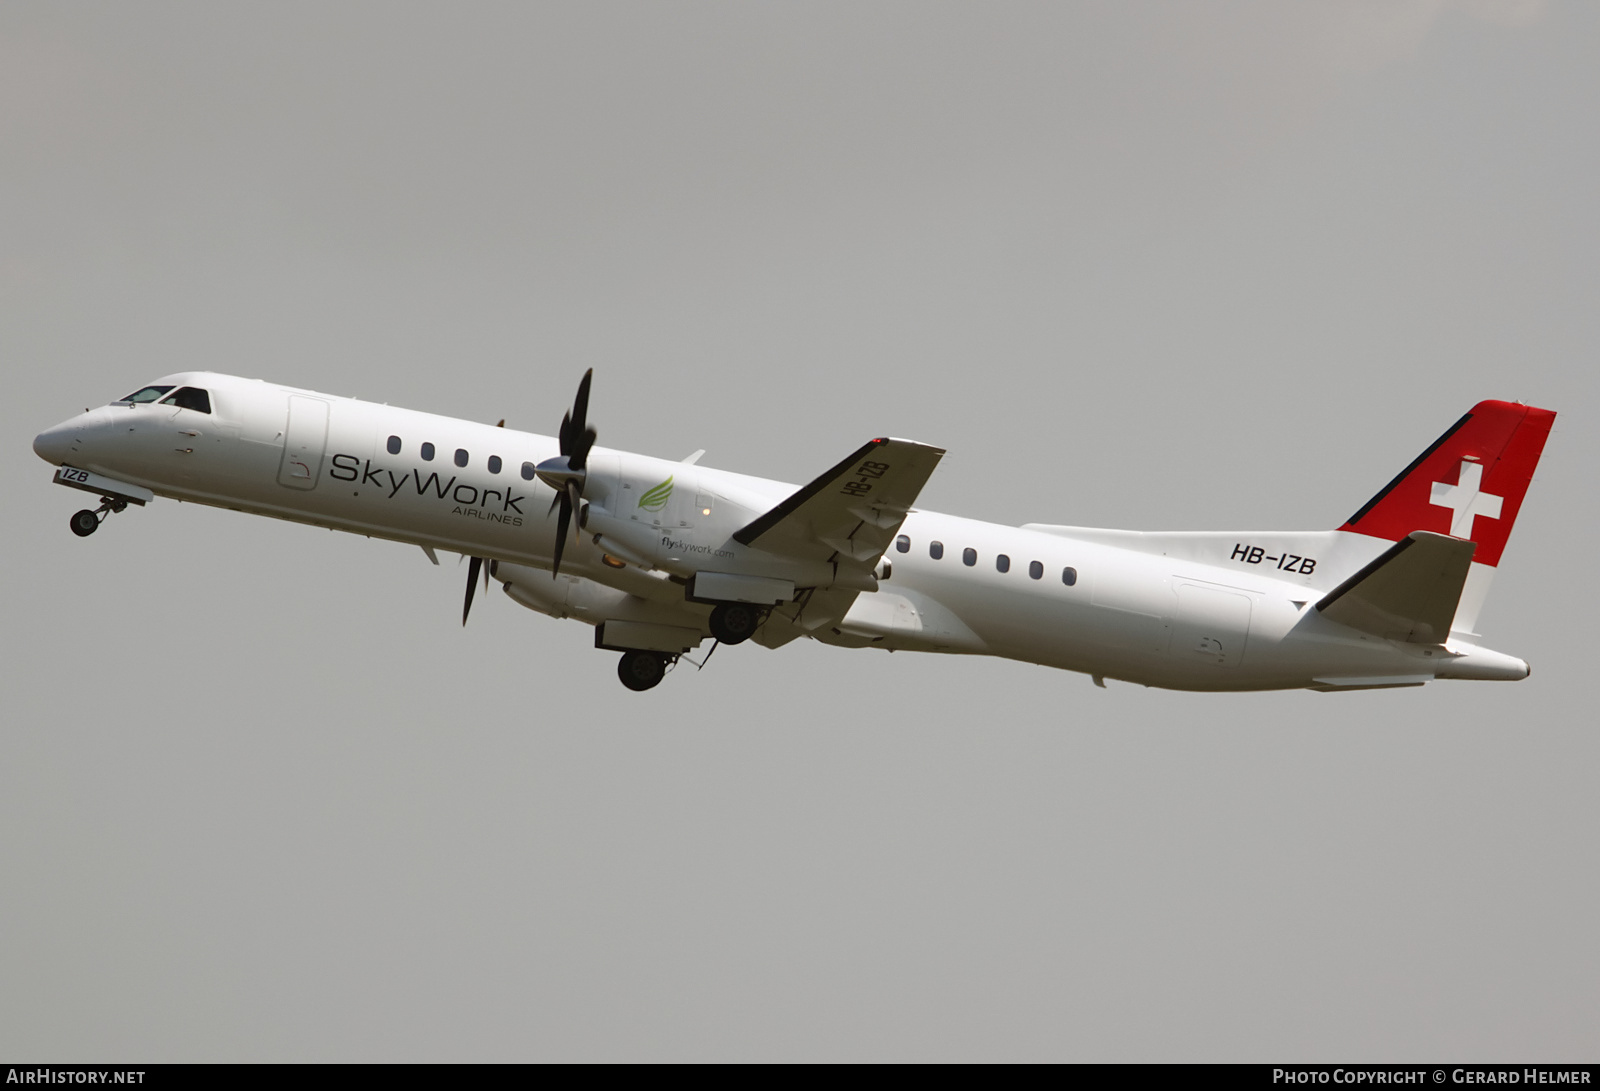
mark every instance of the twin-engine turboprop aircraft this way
{"type": "Point", "coordinates": [663, 555]}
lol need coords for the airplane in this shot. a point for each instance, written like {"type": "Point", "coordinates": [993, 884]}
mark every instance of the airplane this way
{"type": "Point", "coordinates": [664, 555]}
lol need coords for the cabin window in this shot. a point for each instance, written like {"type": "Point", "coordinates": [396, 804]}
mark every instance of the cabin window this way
{"type": "Point", "coordinates": [189, 397]}
{"type": "Point", "coordinates": [494, 464]}
{"type": "Point", "coordinates": [394, 445]}
{"type": "Point", "coordinates": [1069, 576]}
{"type": "Point", "coordinates": [1002, 563]}
{"type": "Point", "coordinates": [903, 543]}
{"type": "Point", "coordinates": [969, 557]}
{"type": "Point", "coordinates": [936, 550]}
{"type": "Point", "coordinates": [461, 457]}
{"type": "Point", "coordinates": [1035, 570]}
{"type": "Point", "coordinates": [527, 471]}
{"type": "Point", "coordinates": [427, 452]}
{"type": "Point", "coordinates": [145, 394]}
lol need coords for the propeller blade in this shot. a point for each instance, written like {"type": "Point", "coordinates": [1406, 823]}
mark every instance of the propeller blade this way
{"type": "Point", "coordinates": [576, 438]}
{"type": "Point", "coordinates": [472, 586]}
{"type": "Point", "coordinates": [580, 404]}
{"type": "Point", "coordinates": [561, 532]}
{"type": "Point", "coordinates": [581, 436]}
{"type": "Point", "coordinates": [580, 457]}
{"type": "Point", "coordinates": [574, 497]}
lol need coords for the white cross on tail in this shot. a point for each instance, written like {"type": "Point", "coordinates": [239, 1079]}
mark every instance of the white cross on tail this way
{"type": "Point", "coordinates": [1464, 500]}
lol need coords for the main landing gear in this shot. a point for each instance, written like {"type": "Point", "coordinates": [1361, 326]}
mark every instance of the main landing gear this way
{"type": "Point", "coordinates": [735, 622]}
{"type": "Point", "coordinates": [730, 623]}
{"type": "Point", "coordinates": [86, 522]}
{"type": "Point", "coordinates": [640, 671]}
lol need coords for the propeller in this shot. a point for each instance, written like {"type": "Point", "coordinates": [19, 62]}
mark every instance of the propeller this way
{"type": "Point", "coordinates": [474, 567]}
{"type": "Point", "coordinates": [567, 472]}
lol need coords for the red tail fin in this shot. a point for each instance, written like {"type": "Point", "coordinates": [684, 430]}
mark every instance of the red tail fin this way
{"type": "Point", "coordinates": [1469, 484]}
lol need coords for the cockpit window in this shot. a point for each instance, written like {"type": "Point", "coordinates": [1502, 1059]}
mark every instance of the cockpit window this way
{"type": "Point", "coordinates": [189, 397]}
{"type": "Point", "coordinates": [147, 394]}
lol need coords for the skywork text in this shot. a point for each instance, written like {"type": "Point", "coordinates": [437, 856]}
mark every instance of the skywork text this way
{"type": "Point", "coordinates": [468, 499]}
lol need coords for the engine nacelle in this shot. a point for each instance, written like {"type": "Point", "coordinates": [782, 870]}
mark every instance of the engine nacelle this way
{"type": "Point", "coordinates": [692, 550]}
{"type": "Point", "coordinates": [680, 519]}
{"type": "Point", "coordinates": [625, 621]}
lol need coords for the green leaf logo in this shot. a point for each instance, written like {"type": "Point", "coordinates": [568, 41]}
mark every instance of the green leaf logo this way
{"type": "Point", "coordinates": [656, 498]}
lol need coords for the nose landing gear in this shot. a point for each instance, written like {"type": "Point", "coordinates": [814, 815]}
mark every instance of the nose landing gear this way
{"type": "Point", "coordinates": [86, 522]}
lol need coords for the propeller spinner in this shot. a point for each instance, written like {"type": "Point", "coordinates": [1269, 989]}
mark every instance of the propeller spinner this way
{"type": "Point", "coordinates": [567, 472]}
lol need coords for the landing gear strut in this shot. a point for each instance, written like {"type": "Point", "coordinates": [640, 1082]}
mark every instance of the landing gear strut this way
{"type": "Point", "coordinates": [734, 622]}
{"type": "Point", "coordinates": [640, 671]}
{"type": "Point", "coordinates": [86, 522]}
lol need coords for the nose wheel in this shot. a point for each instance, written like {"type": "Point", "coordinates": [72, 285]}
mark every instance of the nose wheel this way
{"type": "Point", "coordinates": [86, 522]}
{"type": "Point", "coordinates": [640, 671]}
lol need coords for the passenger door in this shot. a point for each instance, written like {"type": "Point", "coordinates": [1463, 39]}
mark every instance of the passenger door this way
{"type": "Point", "coordinates": [304, 439]}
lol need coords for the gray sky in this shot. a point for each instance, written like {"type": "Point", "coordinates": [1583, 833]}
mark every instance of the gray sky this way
{"type": "Point", "coordinates": [1146, 265]}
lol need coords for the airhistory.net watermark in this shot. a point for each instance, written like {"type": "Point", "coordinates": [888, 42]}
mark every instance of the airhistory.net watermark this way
{"type": "Point", "coordinates": [53, 1074]}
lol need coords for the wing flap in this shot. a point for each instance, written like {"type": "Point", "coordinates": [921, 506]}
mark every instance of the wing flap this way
{"type": "Point", "coordinates": [803, 617]}
{"type": "Point", "coordinates": [1409, 592]}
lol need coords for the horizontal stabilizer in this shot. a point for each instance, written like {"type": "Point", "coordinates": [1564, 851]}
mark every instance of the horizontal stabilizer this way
{"type": "Point", "coordinates": [1410, 592]}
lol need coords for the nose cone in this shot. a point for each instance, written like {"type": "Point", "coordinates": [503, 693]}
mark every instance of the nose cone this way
{"type": "Point", "coordinates": [55, 445]}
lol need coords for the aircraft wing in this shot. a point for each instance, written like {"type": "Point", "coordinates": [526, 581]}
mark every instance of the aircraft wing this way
{"type": "Point", "coordinates": [851, 513]}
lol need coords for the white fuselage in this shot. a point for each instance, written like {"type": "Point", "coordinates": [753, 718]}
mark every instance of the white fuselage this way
{"type": "Point", "coordinates": [1186, 611]}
